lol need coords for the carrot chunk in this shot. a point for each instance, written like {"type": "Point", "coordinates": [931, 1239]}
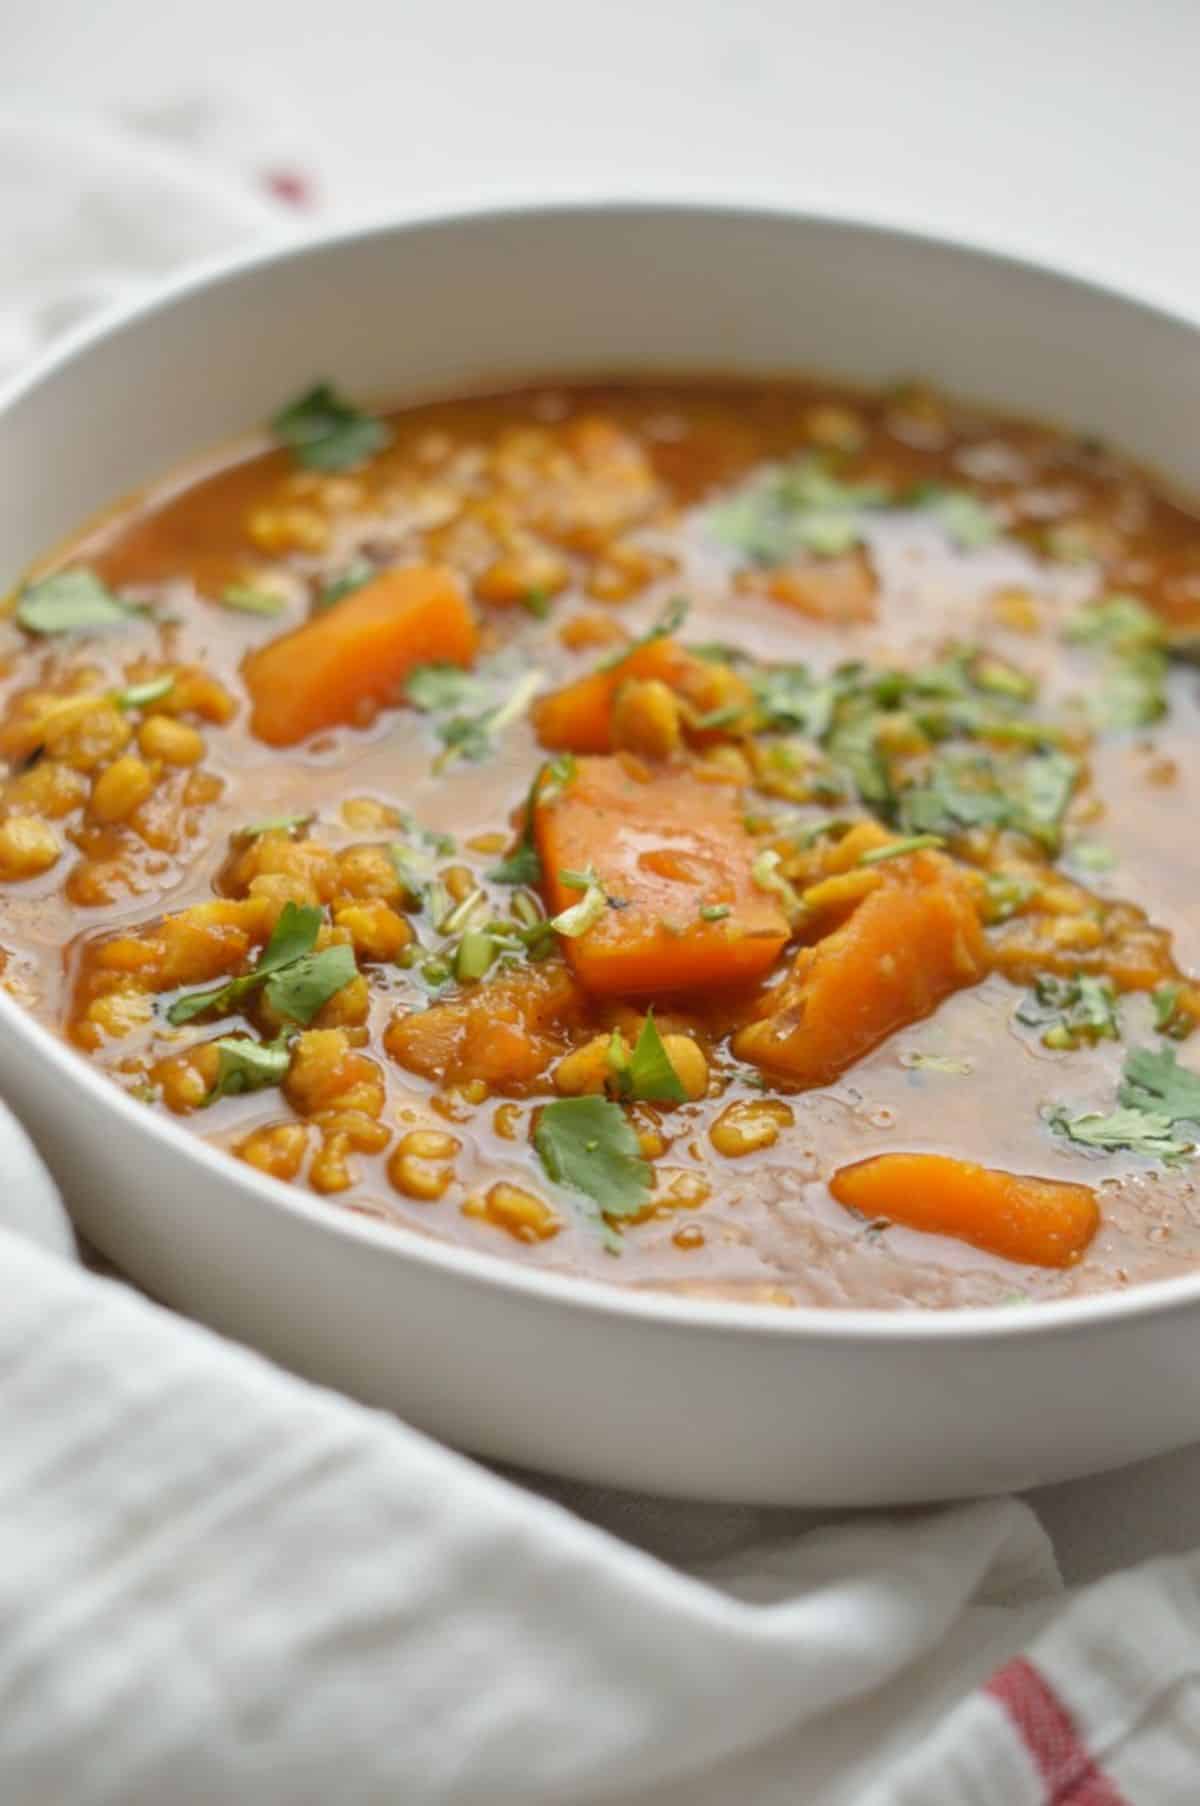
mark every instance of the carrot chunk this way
{"type": "Point", "coordinates": [358, 652]}
{"type": "Point", "coordinates": [1041, 1222]}
{"type": "Point", "coordinates": [907, 945]}
{"type": "Point", "coordinates": [665, 847]}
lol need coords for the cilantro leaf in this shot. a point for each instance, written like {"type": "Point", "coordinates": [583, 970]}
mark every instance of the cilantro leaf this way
{"type": "Point", "coordinates": [799, 507]}
{"type": "Point", "coordinates": [1153, 1080]}
{"type": "Point", "coordinates": [356, 573]}
{"type": "Point", "coordinates": [73, 601]}
{"type": "Point", "coordinates": [1119, 623]}
{"type": "Point", "coordinates": [967, 522]}
{"type": "Point", "coordinates": [297, 990]}
{"type": "Point", "coordinates": [1140, 1131]}
{"type": "Point", "coordinates": [293, 937]}
{"type": "Point", "coordinates": [589, 1145]}
{"type": "Point", "coordinates": [435, 689]}
{"type": "Point", "coordinates": [324, 432]}
{"type": "Point", "coordinates": [1071, 1010]}
{"type": "Point", "coordinates": [245, 1065]}
{"type": "Point", "coordinates": [669, 622]}
{"type": "Point", "coordinates": [648, 1074]}
{"type": "Point", "coordinates": [245, 599]}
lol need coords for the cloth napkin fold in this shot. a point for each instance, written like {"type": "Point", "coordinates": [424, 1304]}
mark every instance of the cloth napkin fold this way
{"type": "Point", "coordinates": [221, 1583]}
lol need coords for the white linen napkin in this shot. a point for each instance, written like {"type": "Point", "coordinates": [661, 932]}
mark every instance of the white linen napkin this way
{"type": "Point", "coordinates": [220, 1583]}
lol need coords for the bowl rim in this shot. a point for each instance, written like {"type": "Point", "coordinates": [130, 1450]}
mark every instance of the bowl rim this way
{"type": "Point", "coordinates": [653, 1311]}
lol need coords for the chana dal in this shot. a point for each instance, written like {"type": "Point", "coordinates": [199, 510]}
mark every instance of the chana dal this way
{"type": "Point", "coordinates": [726, 838]}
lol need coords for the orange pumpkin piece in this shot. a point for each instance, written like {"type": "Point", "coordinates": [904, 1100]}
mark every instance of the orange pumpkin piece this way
{"type": "Point", "coordinates": [505, 1032]}
{"type": "Point", "coordinates": [358, 652]}
{"type": "Point", "coordinates": [664, 846]}
{"type": "Point", "coordinates": [907, 945]}
{"type": "Point", "coordinates": [578, 718]}
{"type": "Point", "coordinates": [840, 591]}
{"type": "Point", "coordinates": [1041, 1222]}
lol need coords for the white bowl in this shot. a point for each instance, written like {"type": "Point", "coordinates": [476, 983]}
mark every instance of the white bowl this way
{"type": "Point", "coordinates": [703, 1399]}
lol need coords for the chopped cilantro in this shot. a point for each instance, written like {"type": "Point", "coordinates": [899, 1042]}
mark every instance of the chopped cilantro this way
{"type": "Point", "coordinates": [579, 917]}
{"type": "Point", "coordinates": [1071, 1011]}
{"type": "Point", "coordinates": [646, 1074]}
{"type": "Point", "coordinates": [1091, 855]}
{"type": "Point", "coordinates": [436, 689]}
{"type": "Point", "coordinates": [523, 865]}
{"type": "Point", "coordinates": [968, 523]}
{"type": "Point", "coordinates": [247, 600]}
{"type": "Point", "coordinates": [299, 990]}
{"type": "Point", "coordinates": [896, 849]}
{"type": "Point", "coordinates": [1170, 1017]}
{"type": "Point", "coordinates": [714, 912]}
{"type": "Point", "coordinates": [536, 602]}
{"type": "Point", "coordinates": [1132, 691]}
{"type": "Point", "coordinates": [139, 696]}
{"type": "Point", "coordinates": [245, 1065]}
{"type": "Point", "coordinates": [1005, 895]}
{"type": "Point", "coordinates": [474, 955]}
{"type": "Point", "coordinates": [326, 433]}
{"type": "Point", "coordinates": [767, 876]}
{"type": "Point", "coordinates": [799, 507]}
{"type": "Point", "coordinates": [1154, 1080]}
{"type": "Point", "coordinates": [589, 1145]}
{"type": "Point", "coordinates": [272, 824]}
{"type": "Point", "coordinates": [1140, 1131]}
{"type": "Point", "coordinates": [669, 622]}
{"type": "Point", "coordinates": [1118, 623]}
{"type": "Point", "coordinates": [74, 601]}
{"type": "Point", "coordinates": [297, 981]}
{"type": "Point", "coordinates": [932, 1062]}
{"type": "Point", "coordinates": [356, 573]}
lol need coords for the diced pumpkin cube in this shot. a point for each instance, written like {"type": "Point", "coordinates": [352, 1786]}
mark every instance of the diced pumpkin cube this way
{"type": "Point", "coordinates": [665, 847]}
{"type": "Point", "coordinates": [1043, 1222]}
{"type": "Point", "coordinates": [358, 653]}
{"type": "Point", "coordinates": [906, 946]}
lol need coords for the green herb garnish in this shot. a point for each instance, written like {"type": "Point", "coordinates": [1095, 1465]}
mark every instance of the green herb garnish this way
{"type": "Point", "coordinates": [579, 917]}
{"type": "Point", "coordinates": [326, 433]}
{"type": "Point", "coordinates": [589, 1145]}
{"type": "Point", "coordinates": [246, 599]}
{"type": "Point", "coordinates": [358, 572]}
{"type": "Point", "coordinates": [440, 689]}
{"type": "Point", "coordinates": [645, 1075]}
{"type": "Point", "coordinates": [245, 1065]}
{"type": "Point", "coordinates": [1071, 1011]}
{"type": "Point", "coordinates": [668, 623]}
{"type": "Point", "coordinates": [74, 601]}
{"type": "Point", "coordinates": [1153, 1079]}
{"type": "Point", "coordinates": [714, 912]}
{"type": "Point", "coordinates": [139, 696]}
{"type": "Point", "coordinates": [800, 507]}
{"type": "Point", "coordinates": [896, 849]}
{"type": "Point", "coordinates": [968, 523]}
{"type": "Point", "coordinates": [1169, 1017]}
{"type": "Point", "coordinates": [296, 980]}
{"type": "Point", "coordinates": [1140, 1131]}
{"type": "Point", "coordinates": [523, 865]}
{"type": "Point", "coordinates": [272, 824]}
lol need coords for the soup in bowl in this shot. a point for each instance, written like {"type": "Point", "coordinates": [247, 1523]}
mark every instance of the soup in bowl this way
{"type": "Point", "coordinates": [687, 852]}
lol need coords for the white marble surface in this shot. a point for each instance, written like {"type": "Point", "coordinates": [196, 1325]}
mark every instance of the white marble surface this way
{"type": "Point", "coordinates": [1069, 131]}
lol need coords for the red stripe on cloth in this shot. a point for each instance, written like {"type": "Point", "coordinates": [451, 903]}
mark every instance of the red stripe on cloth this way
{"type": "Point", "coordinates": [1070, 1774]}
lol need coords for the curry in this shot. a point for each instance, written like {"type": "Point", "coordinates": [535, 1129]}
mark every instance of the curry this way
{"type": "Point", "coordinates": [727, 838]}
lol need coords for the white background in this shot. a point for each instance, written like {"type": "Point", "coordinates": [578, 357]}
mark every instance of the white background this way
{"type": "Point", "coordinates": [1063, 128]}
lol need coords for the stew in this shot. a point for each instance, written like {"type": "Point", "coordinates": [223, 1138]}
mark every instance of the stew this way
{"type": "Point", "coordinates": [722, 837]}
